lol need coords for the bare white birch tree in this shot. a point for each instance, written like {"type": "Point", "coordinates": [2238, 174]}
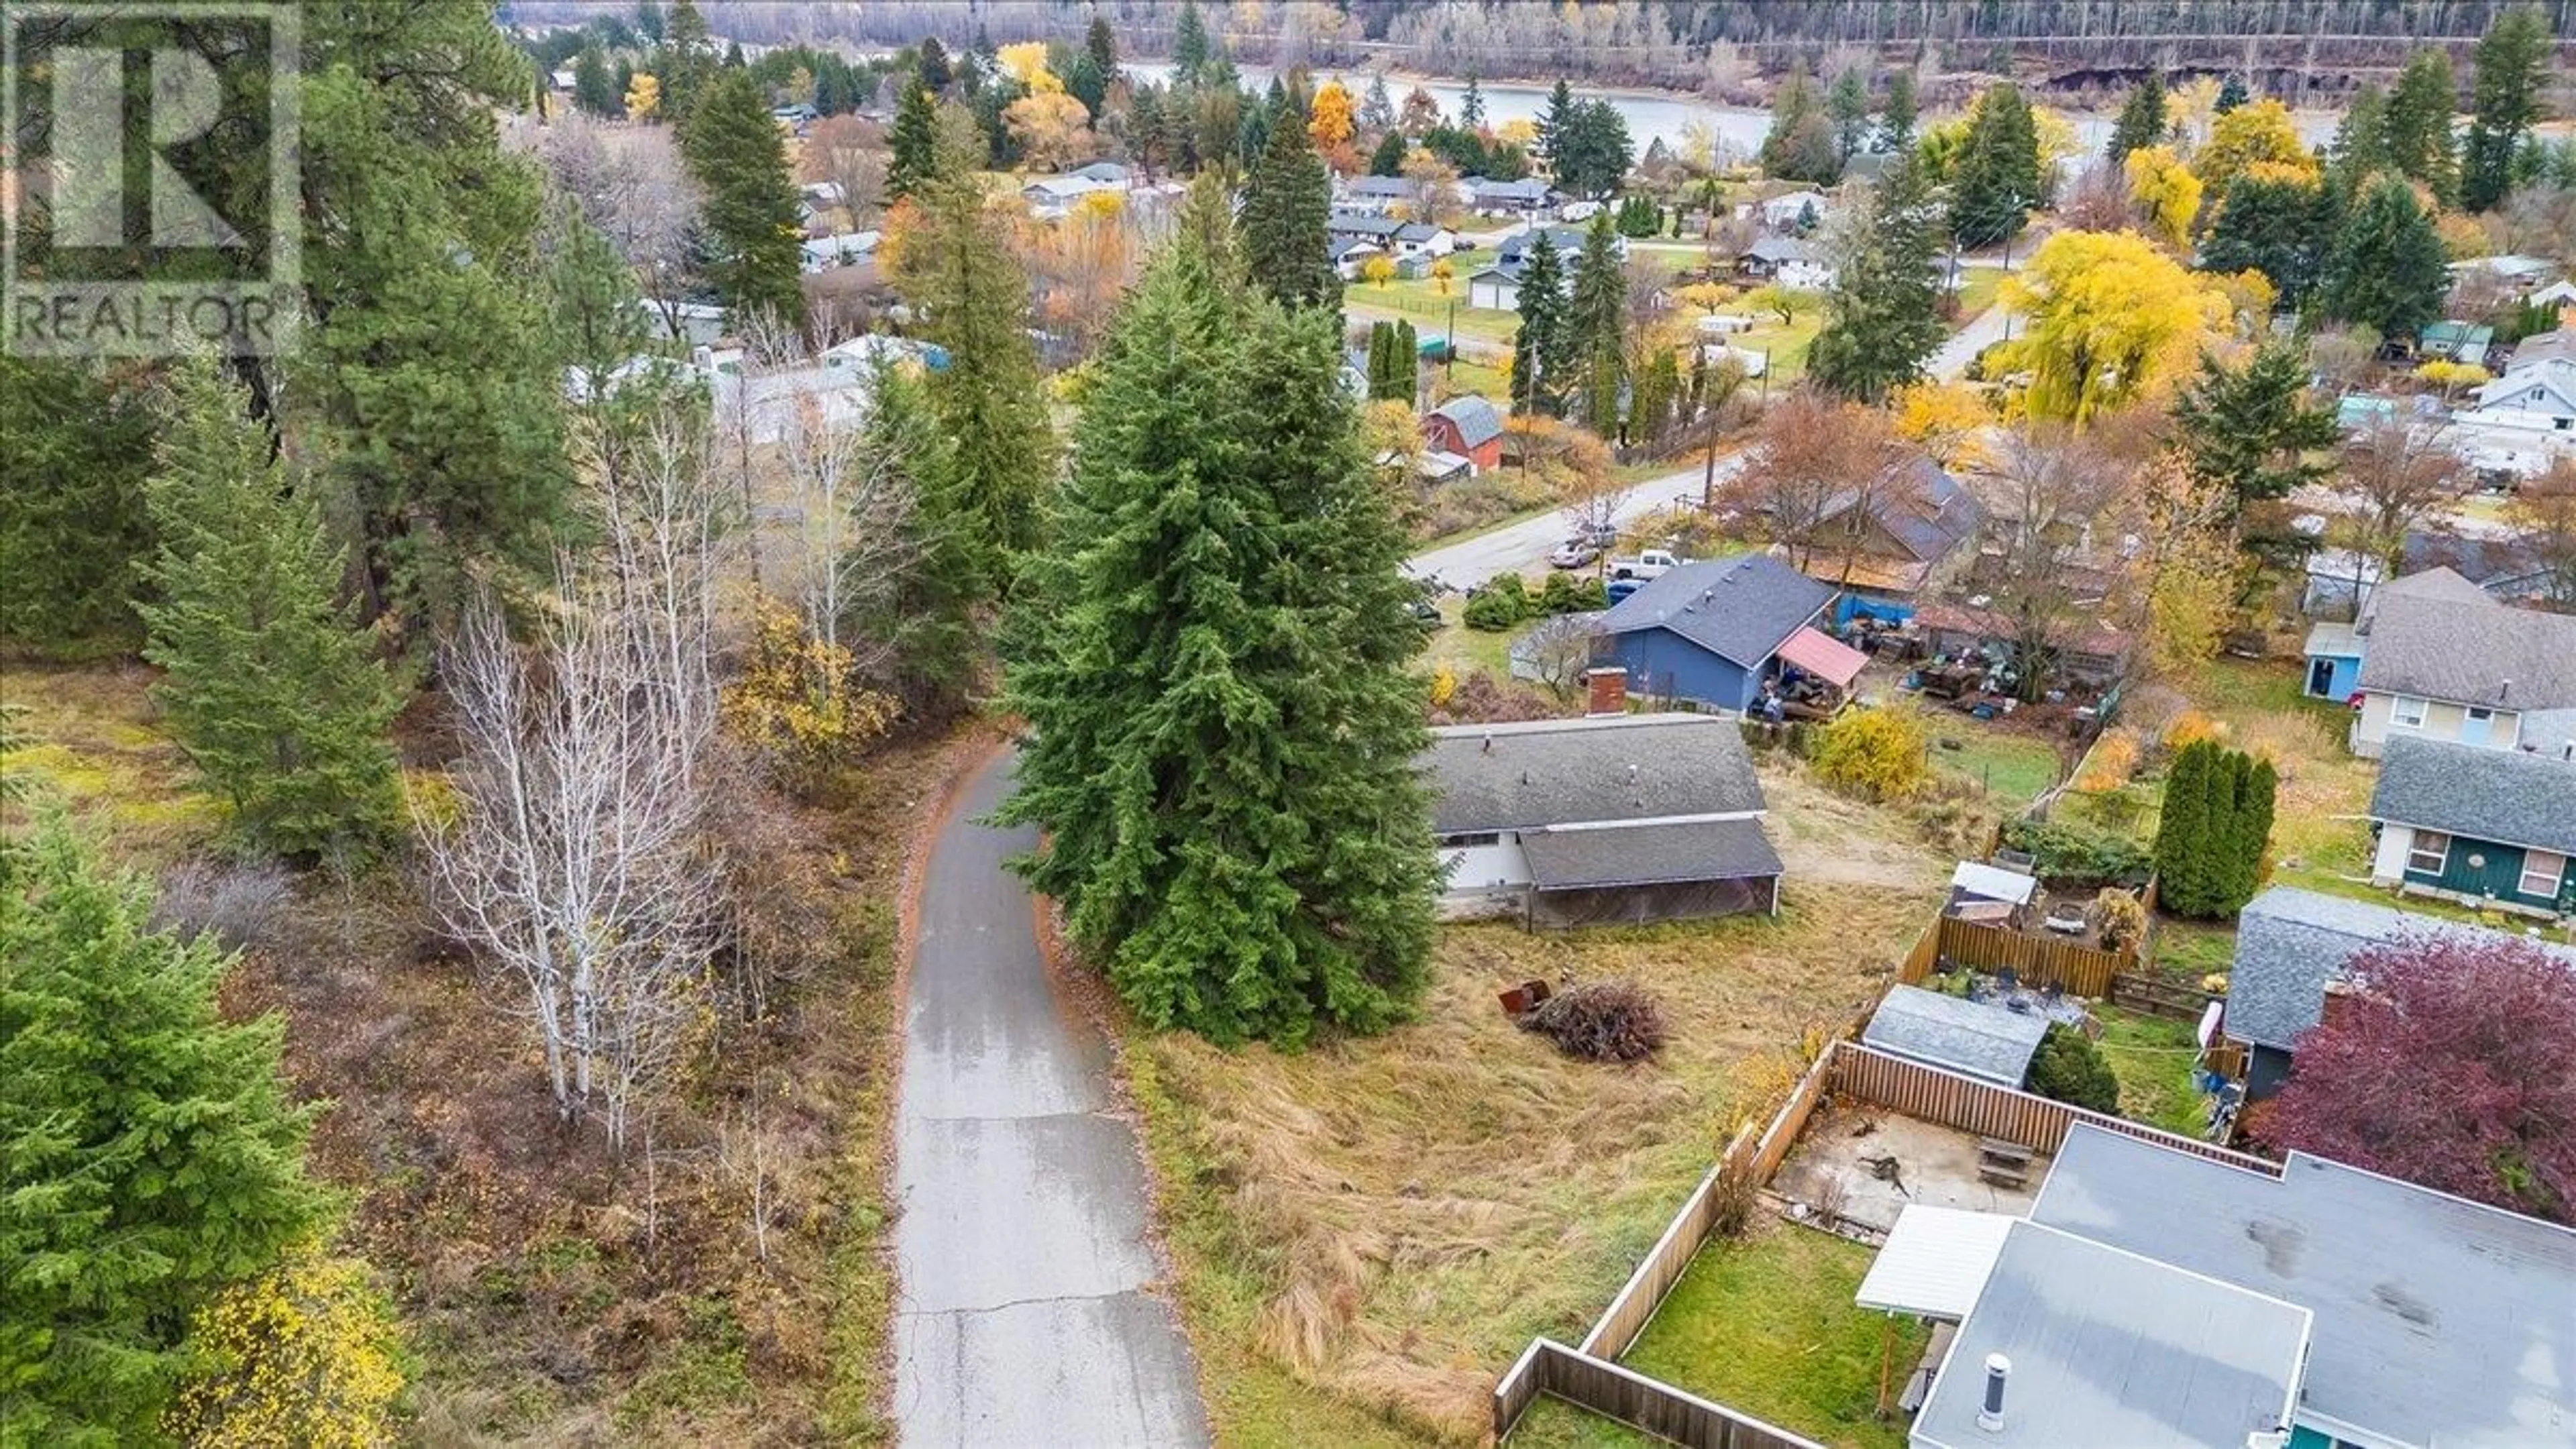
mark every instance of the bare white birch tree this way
{"type": "Point", "coordinates": [577, 861]}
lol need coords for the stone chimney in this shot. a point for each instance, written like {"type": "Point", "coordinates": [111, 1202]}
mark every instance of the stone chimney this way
{"type": "Point", "coordinates": [1606, 690]}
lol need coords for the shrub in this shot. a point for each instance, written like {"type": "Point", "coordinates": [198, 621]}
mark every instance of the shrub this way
{"type": "Point", "coordinates": [233, 902]}
{"type": "Point", "coordinates": [2122, 917]}
{"type": "Point", "coordinates": [797, 704]}
{"type": "Point", "coordinates": [2113, 759]}
{"type": "Point", "coordinates": [2190, 727]}
{"type": "Point", "coordinates": [1876, 754]}
{"type": "Point", "coordinates": [1479, 698]}
{"type": "Point", "coordinates": [2069, 1068]}
{"type": "Point", "coordinates": [2072, 855]}
{"type": "Point", "coordinates": [1600, 1021]}
{"type": "Point", "coordinates": [1502, 602]}
{"type": "Point", "coordinates": [1557, 595]}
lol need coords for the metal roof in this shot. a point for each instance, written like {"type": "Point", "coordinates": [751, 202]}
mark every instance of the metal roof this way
{"type": "Point", "coordinates": [1477, 420]}
{"type": "Point", "coordinates": [1824, 656]}
{"type": "Point", "coordinates": [1592, 858]}
{"type": "Point", "coordinates": [1574, 771]}
{"type": "Point", "coordinates": [1991, 1043]}
{"type": "Point", "coordinates": [1741, 609]}
{"type": "Point", "coordinates": [2506, 796]}
{"type": "Point", "coordinates": [1993, 882]}
{"type": "Point", "coordinates": [1934, 1261]}
{"type": "Point", "coordinates": [2111, 1348]}
{"type": "Point", "coordinates": [2439, 1321]}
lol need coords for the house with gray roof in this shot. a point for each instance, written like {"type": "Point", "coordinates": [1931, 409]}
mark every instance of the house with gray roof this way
{"type": "Point", "coordinates": [2293, 952]}
{"type": "Point", "coordinates": [2073, 1341]}
{"type": "Point", "coordinates": [1618, 817]}
{"type": "Point", "coordinates": [1711, 633]}
{"type": "Point", "coordinates": [1524, 197]}
{"type": "Point", "coordinates": [2487, 827]}
{"type": "Point", "coordinates": [1980, 1039]}
{"type": "Point", "coordinates": [2445, 660]}
{"type": "Point", "coordinates": [1898, 540]}
{"type": "Point", "coordinates": [2435, 1321]}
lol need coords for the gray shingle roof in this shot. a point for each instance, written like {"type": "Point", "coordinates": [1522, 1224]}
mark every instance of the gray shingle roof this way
{"type": "Point", "coordinates": [1477, 419]}
{"type": "Point", "coordinates": [2505, 796]}
{"type": "Point", "coordinates": [2290, 943]}
{"type": "Point", "coordinates": [1571, 771]}
{"type": "Point", "coordinates": [1778, 249]}
{"type": "Point", "coordinates": [2470, 652]}
{"type": "Point", "coordinates": [1633, 855]}
{"type": "Point", "coordinates": [1567, 240]}
{"type": "Point", "coordinates": [2438, 1321]}
{"type": "Point", "coordinates": [1927, 515]}
{"type": "Point", "coordinates": [1975, 1037]}
{"type": "Point", "coordinates": [1530, 188]}
{"type": "Point", "coordinates": [2109, 1348]}
{"type": "Point", "coordinates": [1741, 609]}
{"type": "Point", "coordinates": [1362, 224]}
{"type": "Point", "coordinates": [1379, 186]}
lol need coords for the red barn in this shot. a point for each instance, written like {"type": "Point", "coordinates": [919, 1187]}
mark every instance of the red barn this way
{"type": "Point", "coordinates": [1468, 426]}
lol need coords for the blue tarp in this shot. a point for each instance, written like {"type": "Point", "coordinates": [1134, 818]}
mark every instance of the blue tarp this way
{"type": "Point", "coordinates": [1853, 607]}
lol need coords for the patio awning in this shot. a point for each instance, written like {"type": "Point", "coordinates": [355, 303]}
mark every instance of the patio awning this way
{"type": "Point", "coordinates": [1935, 1262]}
{"type": "Point", "coordinates": [1836, 663]}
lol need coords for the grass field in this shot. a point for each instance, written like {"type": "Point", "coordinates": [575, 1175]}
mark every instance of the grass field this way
{"type": "Point", "coordinates": [1390, 1221]}
{"type": "Point", "coordinates": [2013, 768]}
{"type": "Point", "coordinates": [1421, 301]}
{"type": "Point", "coordinates": [1766, 1325]}
{"type": "Point", "coordinates": [2152, 1057]}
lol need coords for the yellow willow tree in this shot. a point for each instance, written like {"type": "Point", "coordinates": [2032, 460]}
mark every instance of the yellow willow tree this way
{"type": "Point", "coordinates": [2108, 318]}
{"type": "Point", "coordinates": [2164, 191]}
{"type": "Point", "coordinates": [2259, 134]}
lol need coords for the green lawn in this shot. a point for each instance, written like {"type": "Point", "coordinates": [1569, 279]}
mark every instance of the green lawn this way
{"type": "Point", "coordinates": [2014, 768]}
{"type": "Point", "coordinates": [1556, 1424]}
{"type": "Point", "coordinates": [1978, 287]}
{"type": "Point", "coordinates": [2152, 1057]}
{"type": "Point", "coordinates": [1766, 1325]}
{"type": "Point", "coordinates": [1420, 299]}
{"type": "Point", "coordinates": [2190, 950]}
{"type": "Point", "coordinates": [1469, 650]}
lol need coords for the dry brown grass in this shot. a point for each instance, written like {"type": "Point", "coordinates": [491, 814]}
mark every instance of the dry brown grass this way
{"type": "Point", "coordinates": [1405, 1212]}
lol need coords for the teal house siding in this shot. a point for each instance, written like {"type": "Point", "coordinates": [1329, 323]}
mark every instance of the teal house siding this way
{"type": "Point", "coordinates": [2500, 876]}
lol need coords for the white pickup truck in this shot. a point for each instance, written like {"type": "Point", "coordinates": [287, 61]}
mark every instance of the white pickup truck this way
{"type": "Point", "coordinates": [1652, 563]}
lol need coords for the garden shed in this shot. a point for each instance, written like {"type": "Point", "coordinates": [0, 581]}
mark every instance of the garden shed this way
{"type": "Point", "coordinates": [1991, 1043]}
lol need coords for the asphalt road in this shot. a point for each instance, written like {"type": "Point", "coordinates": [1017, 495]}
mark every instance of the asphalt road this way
{"type": "Point", "coordinates": [1522, 545]}
{"type": "Point", "coordinates": [1021, 1243]}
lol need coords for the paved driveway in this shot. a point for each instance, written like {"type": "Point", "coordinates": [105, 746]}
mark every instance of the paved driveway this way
{"type": "Point", "coordinates": [1021, 1245]}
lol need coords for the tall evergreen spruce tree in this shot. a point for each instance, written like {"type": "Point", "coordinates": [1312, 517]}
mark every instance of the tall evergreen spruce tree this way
{"type": "Point", "coordinates": [1883, 315]}
{"type": "Point", "coordinates": [927, 610]}
{"type": "Point", "coordinates": [270, 685]}
{"type": "Point", "coordinates": [153, 1158]}
{"type": "Point", "coordinates": [1388, 158]}
{"type": "Point", "coordinates": [2231, 94]}
{"type": "Point", "coordinates": [1212, 659]}
{"type": "Point", "coordinates": [2279, 226]}
{"type": "Point", "coordinates": [733, 151]}
{"type": "Point", "coordinates": [931, 66]}
{"type": "Point", "coordinates": [1998, 180]}
{"type": "Point", "coordinates": [1552, 122]}
{"type": "Point", "coordinates": [974, 303]}
{"type": "Point", "coordinates": [1189, 45]}
{"type": "Point", "coordinates": [912, 145]}
{"type": "Point", "coordinates": [2255, 802]}
{"type": "Point", "coordinates": [1287, 204]}
{"type": "Point", "coordinates": [1896, 116]}
{"type": "Point", "coordinates": [2388, 270]}
{"type": "Point", "coordinates": [1596, 324]}
{"type": "Point", "coordinates": [75, 445]}
{"type": "Point", "coordinates": [2415, 127]}
{"type": "Point", "coordinates": [2142, 119]}
{"type": "Point", "coordinates": [2360, 143]}
{"type": "Point", "coordinates": [2182, 830]}
{"type": "Point", "coordinates": [2512, 63]}
{"type": "Point", "coordinates": [2251, 429]}
{"type": "Point", "coordinates": [1539, 348]}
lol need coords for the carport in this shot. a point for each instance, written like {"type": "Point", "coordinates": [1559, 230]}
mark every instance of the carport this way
{"type": "Point", "coordinates": [1589, 876]}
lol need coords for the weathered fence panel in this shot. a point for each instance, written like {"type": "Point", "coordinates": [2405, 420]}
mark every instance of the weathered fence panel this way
{"type": "Point", "coordinates": [1631, 1398]}
{"type": "Point", "coordinates": [2158, 998]}
{"type": "Point", "coordinates": [1991, 1111]}
{"type": "Point", "coordinates": [1925, 953]}
{"type": "Point", "coordinates": [2033, 960]}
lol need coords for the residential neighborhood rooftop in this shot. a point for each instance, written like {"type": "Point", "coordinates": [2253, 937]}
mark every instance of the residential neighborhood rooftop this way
{"type": "Point", "coordinates": [1616, 768]}
{"type": "Point", "coordinates": [2438, 1320]}
{"type": "Point", "coordinates": [2476, 652]}
{"type": "Point", "coordinates": [2517, 797]}
{"type": "Point", "coordinates": [2107, 1347]}
{"type": "Point", "coordinates": [1699, 850]}
{"type": "Point", "coordinates": [1741, 609]}
{"type": "Point", "coordinates": [1990, 1042]}
{"type": "Point", "coordinates": [1478, 421]}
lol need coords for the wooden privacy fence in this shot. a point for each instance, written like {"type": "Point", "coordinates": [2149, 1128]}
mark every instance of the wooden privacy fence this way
{"type": "Point", "coordinates": [2158, 998]}
{"type": "Point", "coordinates": [2033, 960]}
{"type": "Point", "coordinates": [1933, 1095]}
{"type": "Point", "coordinates": [1631, 1398]}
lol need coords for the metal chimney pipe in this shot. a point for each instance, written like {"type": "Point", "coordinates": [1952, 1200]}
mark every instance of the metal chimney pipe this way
{"type": "Point", "coordinates": [1991, 1416]}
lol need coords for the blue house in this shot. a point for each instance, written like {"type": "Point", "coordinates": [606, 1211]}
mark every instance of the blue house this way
{"type": "Point", "coordinates": [1712, 632]}
{"type": "Point", "coordinates": [2482, 826]}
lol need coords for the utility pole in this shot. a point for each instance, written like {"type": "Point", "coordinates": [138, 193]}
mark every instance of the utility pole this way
{"type": "Point", "coordinates": [1449, 358]}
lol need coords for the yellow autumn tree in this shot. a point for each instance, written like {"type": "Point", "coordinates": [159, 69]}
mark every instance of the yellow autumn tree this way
{"type": "Point", "coordinates": [1328, 119]}
{"type": "Point", "coordinates": [796, 701]}
{"type": "Point", "coordinates": [1946, 420]}
{"type": "Point", "coordinates": [2257, 133]}
{"type": "Point", "coordinates": [2057, 139]}
{"type": "Point", "coordinates": [2451, 376]}
{"type": "Point", "coordinates": [2108, 318]}
{"type": "Point", "coordinates": [1026, 62]}
{"type": "Point", "coordinates": [2164, 190]}
{"type": "Point", "coordinates": [1520, 131]}
{"type": "Point", "coordinates": [1441, 274]}
{"type": "Point", "coordinates": [301, 1355]}
{"type": "Point", "coordinates": [1378, 270]}
{"type": "Point", "coordinates": [1049, 127]}
{"type": "Point", "coordinates": [643, 97]}
{"type": "Point", "coordinates": [1876, 754]}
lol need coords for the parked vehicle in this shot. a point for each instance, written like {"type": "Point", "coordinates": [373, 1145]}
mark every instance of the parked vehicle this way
{"type": "Point", "coordinates": [1622, 588]}
{"type": "Point", "coordinates": [1653, 563]}
{"type": "Point", "coordinates": [1574, 553]}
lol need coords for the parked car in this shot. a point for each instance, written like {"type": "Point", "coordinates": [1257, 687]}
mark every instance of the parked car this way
{"type": "Point", "coordinates": [1622, 588]}
{"type": "Point", "coordinates": [1574, 553]}
{"type": "Point", "coordinates": [1652, 563]}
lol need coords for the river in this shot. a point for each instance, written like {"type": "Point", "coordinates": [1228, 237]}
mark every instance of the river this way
{"type": "Point", "coordinates": [1651, 115]}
